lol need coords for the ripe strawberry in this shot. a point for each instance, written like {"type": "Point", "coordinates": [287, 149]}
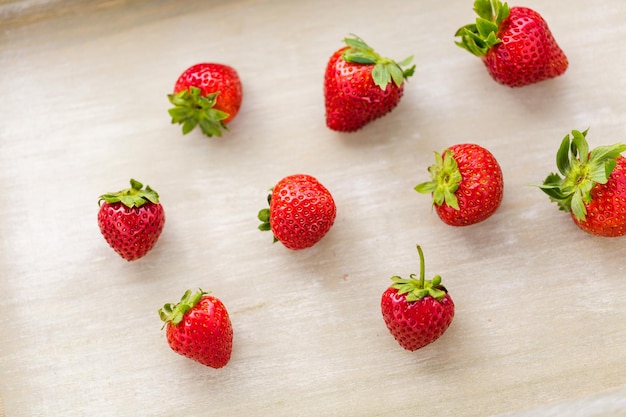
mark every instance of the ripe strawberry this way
{"type": "Point", "coordinates": [515, 44]}
{"type": "Point", "coordinates": [301, 211]}
{"type": "Point", "coordinates": [467, 184]}
{"type": "Point", "coordinates": [593, 186]}
{"type": "Point", "coordinates": [417, 311]}
{"type": "Point", "coordinates": [360, 85]}
{"type": "Point", "coordinates": [199, 328]}
{"type": "Point", "coordinates": [208, 95]}
{"type": "Point", "coordinates": [131, 220]}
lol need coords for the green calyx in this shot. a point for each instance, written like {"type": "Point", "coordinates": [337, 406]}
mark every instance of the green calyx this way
{"type": "Point", "coordinates": [173, 313]}
{"type": "Point", "coordinates": [135, 196]}
{"type": "Point", "coordinates": [264, 217]}
{"type": "Point", "coordinates": [385, 69]}
{"type": "Point", "coordinates": [445, 180]}
{"type": "Point", "coordinates": [418, 288]}
{"type": "Point", "coordinates": [192, 109]}
{"type": "Point", "coordinates": [479, 37]}
{"type": "Point", "coordinates": [580, 171]}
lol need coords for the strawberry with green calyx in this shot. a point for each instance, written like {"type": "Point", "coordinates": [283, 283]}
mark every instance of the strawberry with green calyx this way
{"type": "Point", "coordinates": [515, 44]}
{"type": "Point", "coordinates": [301, 211]}
{"type": "Point", "coordinates": [417, 311]}
{"type": "Point", "coordinates": [591, 185]}
{"type": "Point", "coordinates": [199, 328]}
{"type": "Point", "coordinates": [207, 95]}
{"type": "Point", "coordinates": [131, 220]}
{"type": "Point", "coordinates": [361, 86]}
{"type": "Point", "coordinates": [466, 184]}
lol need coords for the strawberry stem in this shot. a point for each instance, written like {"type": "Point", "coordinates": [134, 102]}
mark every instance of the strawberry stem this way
{"type": "Point", "coordinates": [422, 266]}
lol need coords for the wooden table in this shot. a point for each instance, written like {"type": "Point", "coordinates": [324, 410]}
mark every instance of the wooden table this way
{"type": "Point", "coordinates": [540, 325]}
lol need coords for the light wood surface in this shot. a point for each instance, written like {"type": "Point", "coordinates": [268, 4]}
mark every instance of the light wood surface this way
{"type": "Point", "coordinates": [540, 319]}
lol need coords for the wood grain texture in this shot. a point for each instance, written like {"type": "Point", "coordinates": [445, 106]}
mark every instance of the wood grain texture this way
{"type": "Point", "coordinates": [540, 321]}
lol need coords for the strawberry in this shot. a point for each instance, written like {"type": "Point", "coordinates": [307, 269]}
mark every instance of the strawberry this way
{"type": "Point", "coordinates": [131, 220]}
{"type": "Point", "coordinates": [417, 311]}
{"type": "Point", "coordinates": [515, 44]}
{"type": "Point", "coordinates": [467, 184]}
{"type": "Point", "coordinates": [208, 95]}
{"type": "Point", "coordinates": [199, 328]}
{"type": "Point", "coordinates": [592, 187]}
{"type": "Point", "coordinates": [360, 85]}
{"type": "Point", "coordinates": [301, 211]}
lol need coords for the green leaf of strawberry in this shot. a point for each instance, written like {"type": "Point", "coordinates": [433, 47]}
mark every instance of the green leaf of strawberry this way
{"type": "Point", "coordinates": [576, 188]}
{"type": "Point", "coordinates": [264, 217]}
{"type": "Point", "coordinates": [385, 69]}
{"type": "Point", "coordinates": [446, 179]}
{"type": "Point", "coordinates": [135, 196]}
{"type": "Point", "coordinates": [581, 170]}
{"type": "Point", "coordinates": [191, 109]}
{"type": "Point", "coordinates": [173, 313]}
{"type": "Point", "coordinates": [479, 37]}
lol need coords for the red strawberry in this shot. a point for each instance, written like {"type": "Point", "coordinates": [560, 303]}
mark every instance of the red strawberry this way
{"type": "Point", "coordinates": [467, 184]}
{"type": "Point", "coordinates": [301, 212]}
{"type": "Point", "coordinates": [593, 185]}
{"type": "Point", "coordinates": [515, 44]}
{"type": "Point", "coordinates": [131, 220]}
{"type": "Point", "coordinates": [417, 311]}
{"type": "Point", "coordinates": [360, 85]}
{"type": "Point", "coordinates": [208, 95]}
{"type": "Point", "coordinates": [199, 328]}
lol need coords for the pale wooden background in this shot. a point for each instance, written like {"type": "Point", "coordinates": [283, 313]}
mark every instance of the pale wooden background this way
{"type": "Point", "coordinates": [540, 325]}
